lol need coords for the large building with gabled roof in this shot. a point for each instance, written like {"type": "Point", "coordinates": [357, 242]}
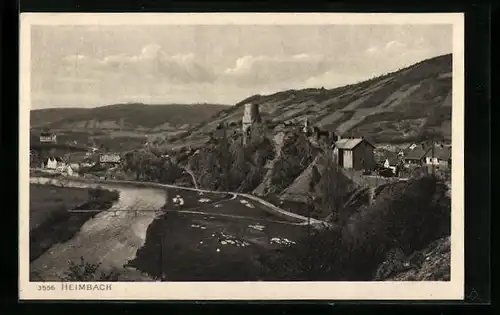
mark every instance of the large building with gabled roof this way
{"type": "Point", "coordinates": [354, 153]}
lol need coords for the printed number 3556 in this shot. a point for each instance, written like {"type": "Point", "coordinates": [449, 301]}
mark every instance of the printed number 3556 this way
{"type": "Point", "coordinates": [44, 287]}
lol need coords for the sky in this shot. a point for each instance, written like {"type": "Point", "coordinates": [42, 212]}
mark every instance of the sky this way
{"type": "Point", "coordinates": [89, 66]}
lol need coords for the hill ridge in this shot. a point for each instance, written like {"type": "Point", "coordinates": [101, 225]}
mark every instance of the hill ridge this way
{"type": "Point", "coordinates": [410, 104]}
{"type": "Point", "coordinates": [406, 105]}
{"type": "Point", "coordinates": [124, 115]}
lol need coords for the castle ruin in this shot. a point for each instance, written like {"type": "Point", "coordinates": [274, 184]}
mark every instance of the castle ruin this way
{"type": "Point", "coordinates": [251, 116]}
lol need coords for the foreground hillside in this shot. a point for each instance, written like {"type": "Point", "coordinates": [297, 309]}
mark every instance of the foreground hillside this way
{"type": "Point", "coordinates": [406, 105]}
{"type": "Point", "coordinates": [124, 116]}
{"type": "Point", "coordinates": [402, 235]}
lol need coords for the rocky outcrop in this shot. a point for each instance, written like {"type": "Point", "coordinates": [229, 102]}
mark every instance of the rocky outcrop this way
{"type": "Point", "coordinates": [298, 190]}
{"type": "Point", "coordinates": [430, 264]}
{"type": "Point", "coordinates": [266, 182]}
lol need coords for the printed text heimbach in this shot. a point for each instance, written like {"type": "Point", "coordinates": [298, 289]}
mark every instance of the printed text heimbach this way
{"type": "Point", "coordinates": [85, 287]}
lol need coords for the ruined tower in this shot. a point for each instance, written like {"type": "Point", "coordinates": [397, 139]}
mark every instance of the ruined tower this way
{"type": "Point", "coordinates": [251, 116]}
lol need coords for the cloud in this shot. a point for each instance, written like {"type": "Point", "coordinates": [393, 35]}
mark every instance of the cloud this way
{"type": "Point", "coordinates": [148, 53]}
{"type": "Point", "coordinates": [153, 64]}
{"type": "Point", "coordinates": [392, 46]}
{"type": "Point", "coordinates": [151, 61]}
{"type": "Point", "coordinates": [258, 70]}
{"type": "Point", "coordinates": [152, 75]}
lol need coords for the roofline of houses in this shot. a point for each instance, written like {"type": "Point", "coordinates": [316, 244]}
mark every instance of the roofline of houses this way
{"type": "Point", "coordinates": [355, 138]}
{"type": "Point", "coordinates": [424, 155]}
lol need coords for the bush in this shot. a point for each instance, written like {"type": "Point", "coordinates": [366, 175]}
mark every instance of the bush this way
{"type": "Point", "coordinates": [406, 216]}
{"type": "Point", "coordinates": [100, 194]}
{"type": "Point", "coordinates": [85, 271]}
{"type": "Point", "coordinates": [228, 165]}
{"type": "Point", "coordinates": [335, 189]}
{"type": "Point", "coordinates": [148, 165]}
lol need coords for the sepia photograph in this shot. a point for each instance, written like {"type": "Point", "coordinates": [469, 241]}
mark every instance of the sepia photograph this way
{"type": "Point", "coordinates": [241, 156]}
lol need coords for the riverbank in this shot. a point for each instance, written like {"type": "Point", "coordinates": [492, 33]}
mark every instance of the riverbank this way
{"type": "Point", "coordinates": [208, 227]}
{"type": "Point", "coordinates": [51, 220]}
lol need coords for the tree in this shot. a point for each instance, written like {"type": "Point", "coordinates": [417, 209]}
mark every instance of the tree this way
{"type": "Point", "coordinates": [240, 168]}
{"type": "Point", "coordinates": [315, 178]}
{"type": "Point", "coordinates": [224, 160]}
{"type": "Point", "coordinates": [334, 187]}
{"type": "Point", "coordinates": [208, 171]}
{"type": "Point", "coordinates": [85, 271]}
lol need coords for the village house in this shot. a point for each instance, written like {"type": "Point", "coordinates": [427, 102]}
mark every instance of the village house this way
{"type": "Point", "coordinates": [52, 163]}
{"type": "Point", "coordinates": [47, 137]}
{"type": "Point", "coordinates": [70, 170]}
{"type": "Point", "coordinates": [414, 155]}
{"type": "Point", "coordinates": [75, 162]}
{"type": "Point", "coordinates": [420, 155]}
{"type": "Point", "coordinates": [61, 167]}
{"type": "Point", "coordinates": [354, 153]}
{"type": "Point", "coordinates": [110, 158]}
{"type": "Point", "coordinates": [389, 160]}
{"type": "Point", "coordinates": [439, 156]}
{"type": "Point", "coordinates": [88, 161]}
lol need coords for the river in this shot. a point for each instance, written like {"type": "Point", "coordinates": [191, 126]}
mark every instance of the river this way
{"type": "Point", "coordinates": [111, 238]}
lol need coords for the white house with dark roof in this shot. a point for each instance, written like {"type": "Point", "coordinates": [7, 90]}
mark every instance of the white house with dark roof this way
{"type": "Point", "coordinates": [440, 156]}
{"type": "Point", "coordinates": [354, 153]}
{"type": "Point", "coordinates": [414, 155]}
{"type": "Point", "coordinates": [75, 161]}
{"type": "Point", "coordinates": [72, 170]}
{"type": "Point", "coordinates": [52, 163]}
{"type": "Point", "coordinates": [426, 155]}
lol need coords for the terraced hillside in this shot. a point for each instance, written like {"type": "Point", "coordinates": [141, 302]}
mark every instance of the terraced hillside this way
{"type": "Point", "coordinates": [406, 105]}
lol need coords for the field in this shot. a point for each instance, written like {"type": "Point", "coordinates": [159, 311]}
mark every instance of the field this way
{"type": "Point", "coordinates": [190, 247]}
{"type": "Point", "coordinates": [212, 237]}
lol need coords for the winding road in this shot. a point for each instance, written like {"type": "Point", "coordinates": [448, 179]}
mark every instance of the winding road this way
{"type": "Point", "coordinates": [136, 195]}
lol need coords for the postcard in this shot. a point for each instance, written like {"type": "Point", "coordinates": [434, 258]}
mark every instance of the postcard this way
{"type": "Point", "coordinates": [241, 156]}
